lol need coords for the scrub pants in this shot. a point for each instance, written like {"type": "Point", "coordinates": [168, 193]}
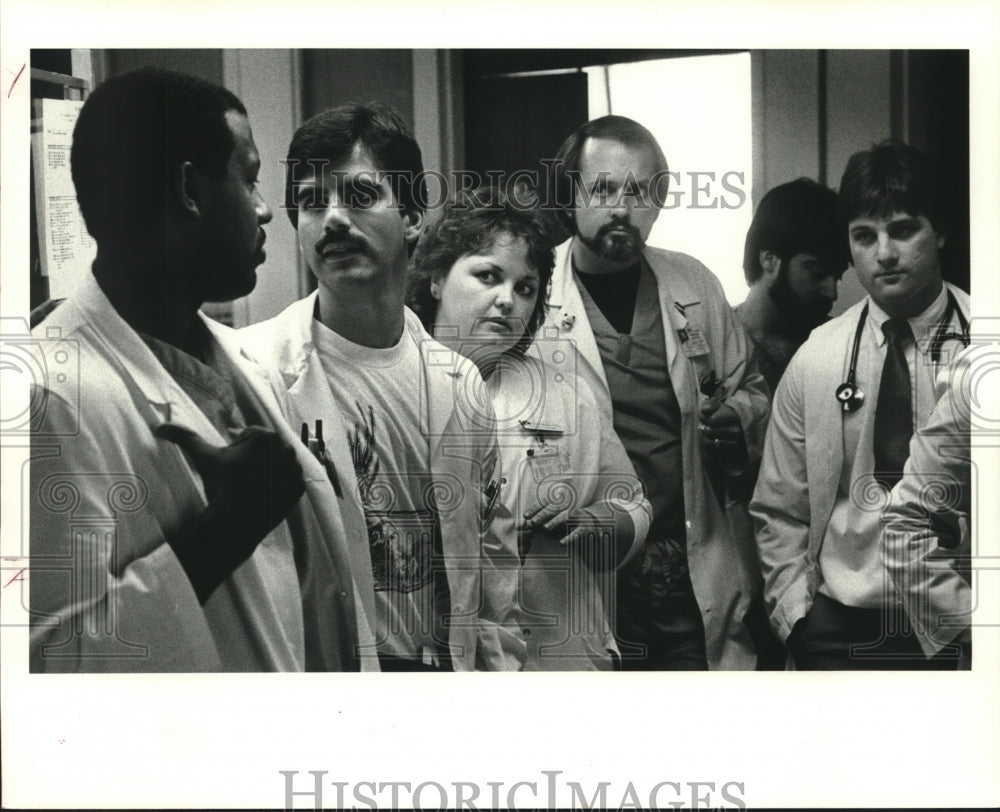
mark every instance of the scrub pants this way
{"type": "Point", "coordinates": [659, 625]}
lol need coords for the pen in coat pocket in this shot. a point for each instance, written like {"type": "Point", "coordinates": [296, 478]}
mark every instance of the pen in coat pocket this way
{"type": "Point", "coordinates": [318, 447]}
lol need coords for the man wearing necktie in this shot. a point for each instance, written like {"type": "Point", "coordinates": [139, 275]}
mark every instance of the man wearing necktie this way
{"type": "Point", "coordinates": [842, 419]}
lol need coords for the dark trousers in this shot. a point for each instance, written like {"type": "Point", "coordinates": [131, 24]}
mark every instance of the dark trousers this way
{"type": "Point", "coordinates": [658, 622]}
{"type": "Point", "coordinates": [669, 652]}
{"type": "Point", "coordinates": [668, 636]}
{"type": "Point", "coordinates": [391, 663]}
{"type": "Point", "coordinates": [835, 637]}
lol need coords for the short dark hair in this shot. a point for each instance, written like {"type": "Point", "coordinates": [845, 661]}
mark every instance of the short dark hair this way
{"type": "Point", "coordinates": [567, 161]}
{"type": "Point", "coordinates": [132, 131]}
{"type": "Point", "coordinates": [472, 224]}
{"type": "Point", "coordinates": [331, 136]}
{"type": "Point", "coordinates": [892, 176]}
{"type": "Point", "coordinates": [798, 217]}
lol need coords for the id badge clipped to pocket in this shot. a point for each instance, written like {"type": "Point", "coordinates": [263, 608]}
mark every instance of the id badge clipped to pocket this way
{"type": "Point", "coordinates": [545, 461]}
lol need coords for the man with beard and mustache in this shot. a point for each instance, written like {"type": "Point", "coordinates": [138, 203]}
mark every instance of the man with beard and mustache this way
{"type": "Point", "coordinates": [670, 365]}
{"type": "Point", "coordinates": [795, 254]}
{"type": "Point", "coordinates": [393, 401]}
{"type": "Point", "coordinates": [794, 257]}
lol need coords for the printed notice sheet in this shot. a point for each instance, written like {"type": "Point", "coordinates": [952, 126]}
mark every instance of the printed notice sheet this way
{"type": "Point", "coordinates": [66, 249]}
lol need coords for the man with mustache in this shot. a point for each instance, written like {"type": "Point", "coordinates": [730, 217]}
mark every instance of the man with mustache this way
{"type": "Point", "coordinates": [395, 402]}
{"type": "Point", "coordinates": [843, 417]}
{"type": "Point", "coordinates": [669, 362]}
{"type": "Point", "coordinates": [794, 257]}
{"type": "Point", "coordinates": [177, 523]}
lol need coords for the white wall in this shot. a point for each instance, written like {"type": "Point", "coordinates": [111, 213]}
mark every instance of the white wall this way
{"type": "Point", "coordinates": [267, 81]}
{"type": "Point", "coordinates": [790, 135]}
{"type": "Point", "coordinates": [786, 118]}
{"type": "Point", "coordinates": [858, 107]}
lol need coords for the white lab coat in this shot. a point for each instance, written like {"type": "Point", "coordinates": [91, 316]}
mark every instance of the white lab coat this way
{"type": "Point", "coordinates": [558, 447]}
{"type": "Point", "coordinates": [802, 466]}
{"type": "Point", "coordinates": [931, 504]}
{"type": "Point", "coordinates": [480, 558]}
{"type": "Point", "coordinates": [107, 591]}
{"type": "Point", "coordinates": [721, 557]}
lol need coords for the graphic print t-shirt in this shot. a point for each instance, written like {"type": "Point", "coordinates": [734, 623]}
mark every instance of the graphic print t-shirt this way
{"type": "Point", "coordinates": [375, 390]}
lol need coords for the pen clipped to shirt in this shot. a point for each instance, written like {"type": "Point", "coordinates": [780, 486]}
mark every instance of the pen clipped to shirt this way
{"type": "Point", "coordinates": [317, 446]}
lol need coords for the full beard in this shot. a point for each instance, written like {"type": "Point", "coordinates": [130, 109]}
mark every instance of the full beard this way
{"type": "Point", "coordinates": [615, 242]}
{"type": "Point", "coordinates": [799, 318]}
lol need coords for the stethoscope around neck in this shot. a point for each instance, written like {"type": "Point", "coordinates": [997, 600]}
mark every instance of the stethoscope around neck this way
{"type": "Point", "coordinates": [851, 398]}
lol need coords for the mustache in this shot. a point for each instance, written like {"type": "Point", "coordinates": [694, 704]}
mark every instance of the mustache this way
{"type": "Point", "coordinates": [617, 225]}
{"type": "Point", "coordinates": [337, 238]}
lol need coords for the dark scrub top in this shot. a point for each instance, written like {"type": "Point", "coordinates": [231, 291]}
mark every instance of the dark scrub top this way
{"type": "Point", "coordinates": [656, 603]}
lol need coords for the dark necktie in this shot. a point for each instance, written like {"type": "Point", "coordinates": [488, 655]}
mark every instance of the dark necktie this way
{"type": "Point", "coordinates": [894, 410]}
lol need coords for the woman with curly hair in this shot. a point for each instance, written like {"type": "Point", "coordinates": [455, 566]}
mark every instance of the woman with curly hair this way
{"type": "Point", "coordinates": [479, 285]}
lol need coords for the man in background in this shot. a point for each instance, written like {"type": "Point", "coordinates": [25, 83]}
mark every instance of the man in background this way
{"type": "Point", "coordinates": [795, 255]}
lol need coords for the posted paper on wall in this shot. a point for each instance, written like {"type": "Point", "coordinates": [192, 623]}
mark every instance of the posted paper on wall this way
{"type": "Point", "coordinates": [66, 249]}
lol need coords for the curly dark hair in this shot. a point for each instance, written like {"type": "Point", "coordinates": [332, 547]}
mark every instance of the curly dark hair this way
{"type": "Point", "coordinates": [471, 224]}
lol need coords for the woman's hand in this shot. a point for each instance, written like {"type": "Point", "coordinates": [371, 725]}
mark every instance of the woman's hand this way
{"type": "Point", "coordinates": [602, 533]}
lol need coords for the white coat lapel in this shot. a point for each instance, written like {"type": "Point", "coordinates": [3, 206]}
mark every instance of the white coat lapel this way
{"type": "Point", "coordinates": [301, 371]}
{"type": "Point", "coordinates": [825, 422]}
{"type": "Point", "coordinates": [567, 315]}
{"type": "Point", "coordinates": [673, 288]}
{"type": "Point", "coordinates": [343, 521]}
{"type": "Point", "coordinates": [157, 396]}
{"type": "Point", "coordinates": [258, 378]}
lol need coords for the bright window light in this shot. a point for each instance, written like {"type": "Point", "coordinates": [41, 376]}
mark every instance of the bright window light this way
{"type": "Point", "coordinates": [699, 110]}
